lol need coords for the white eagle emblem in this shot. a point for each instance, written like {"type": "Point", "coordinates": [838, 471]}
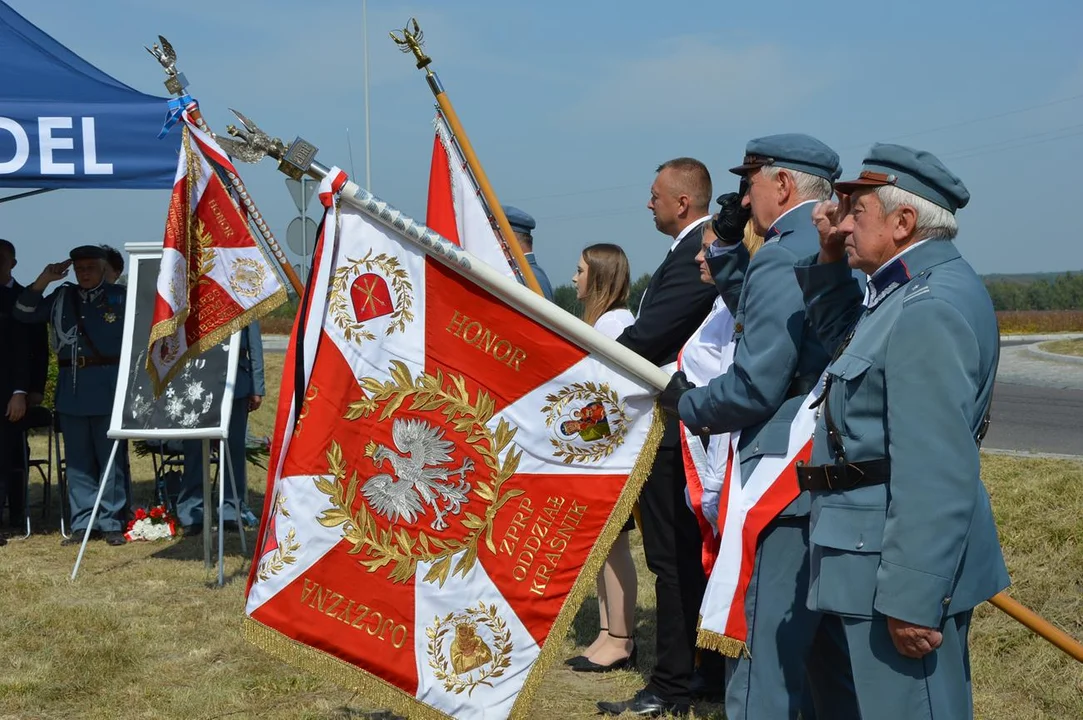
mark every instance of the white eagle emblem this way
{"type": "Point", "coordinates": [401, 494]}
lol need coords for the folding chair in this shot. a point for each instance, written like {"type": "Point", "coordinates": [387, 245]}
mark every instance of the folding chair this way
{"type": "Point", "coordinates": [167, 457]}
{"type": "Point", "coordinates": [36, 417]}
{"type": "Point", "coordinates": [61, 476]}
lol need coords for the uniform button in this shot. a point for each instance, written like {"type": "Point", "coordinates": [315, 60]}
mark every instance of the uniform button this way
{"type": "Point", "coordinates": [739, 327]}
{"type": "Point", "coordinates": [860, 544]}
{"type": "Point", "coordinates": [756, 449]}
{"type": "Point", "coordinates": [705, 430]}
{"type": "Point", "coordinates": [947, 601]}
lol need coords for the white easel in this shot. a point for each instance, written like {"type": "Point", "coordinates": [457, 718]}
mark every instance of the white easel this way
{"type": "Point", "coordinates": [140, 254]}
{"type": "Point", "coordinates": [224, 466]}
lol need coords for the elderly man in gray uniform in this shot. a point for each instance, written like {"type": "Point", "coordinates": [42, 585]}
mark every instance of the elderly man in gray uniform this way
{"type": "Point", "coordinates": [777, 362]}
{"type": "Point", "coordinates": [523, 225]}
{"type": "Point", "coordinates": [903, 539]}
{"type": "Point", "coordinates": [87, 320]}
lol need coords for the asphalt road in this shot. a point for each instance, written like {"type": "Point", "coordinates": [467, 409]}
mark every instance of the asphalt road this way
{"type": "Point", "coordinates": [1036, 419]}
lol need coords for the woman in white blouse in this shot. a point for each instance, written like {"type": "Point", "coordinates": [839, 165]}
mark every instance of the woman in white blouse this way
{"type": "Point", "coordinates": [602, 279]}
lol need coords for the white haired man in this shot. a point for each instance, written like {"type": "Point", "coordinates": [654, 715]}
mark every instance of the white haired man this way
{"type": "Point", "coordinates": [903, 541]}
{"type": "Point", "coordinates": [777, 362]}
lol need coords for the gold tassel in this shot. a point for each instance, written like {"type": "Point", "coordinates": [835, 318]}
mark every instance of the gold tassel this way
{"type": "Point", "coordinates": [730, 647]}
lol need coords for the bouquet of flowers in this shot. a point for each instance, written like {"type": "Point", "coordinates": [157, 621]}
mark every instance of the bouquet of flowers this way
{"type": "Point", "coordinates": [153, 524]}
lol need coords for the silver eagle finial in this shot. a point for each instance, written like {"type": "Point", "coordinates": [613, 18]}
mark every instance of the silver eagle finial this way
{"type": "Point", "coordinates": [250, 144]}
{"type": "Point", "coordinates": [164, 54]}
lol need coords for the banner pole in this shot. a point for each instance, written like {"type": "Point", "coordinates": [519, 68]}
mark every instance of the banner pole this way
{"type": "Point", "coordinates": [1038, 625]}
{"type": "Point", "coordinates": [411, 42]}
{"type": "Point", "coordinates": [176, 84]}
{"type": "Point", "coordinates": [459, 260]}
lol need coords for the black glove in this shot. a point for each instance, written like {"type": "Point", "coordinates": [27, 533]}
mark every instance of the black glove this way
{"type": "Point", "coordinates": [678, 385]}
{"type": "Point", "coordinates": [729, 223]}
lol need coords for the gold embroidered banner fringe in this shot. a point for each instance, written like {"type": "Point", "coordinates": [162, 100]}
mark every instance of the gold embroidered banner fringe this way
{"type": "Point", "coordinates": [730, 647]}
{"type": "Point", "coordinates": [340, 672]}
{"type": "Point", "coordinates": [585, 583]}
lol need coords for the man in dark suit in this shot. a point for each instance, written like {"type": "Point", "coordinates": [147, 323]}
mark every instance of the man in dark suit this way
{"type": "Point", "coordinates": [673, 306]}
{"type": "Point", "coordinates": [22, 382]}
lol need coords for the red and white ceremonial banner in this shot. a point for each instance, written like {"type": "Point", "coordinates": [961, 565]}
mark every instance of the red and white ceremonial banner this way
{"type": "Point", "coordinates": [214, 278]}
{"type": "Point", "coordinates": [744, 510]}
{"type": "Point", "coordinates": [455, 208]}
{"type": "Point", "coordinates": [707, 354]}
{"type": "Point", "coordinates": [447, 475]}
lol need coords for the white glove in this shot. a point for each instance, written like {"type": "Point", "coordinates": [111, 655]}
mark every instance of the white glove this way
{"type": "Point", "coordinates": [709, 506]}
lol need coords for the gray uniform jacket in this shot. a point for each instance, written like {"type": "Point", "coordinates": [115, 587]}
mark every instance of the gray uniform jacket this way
{"type": "Point", "coordinates": [912, 386]}
{"type": "Point", "coordinates": [81, 389]}
{"type": "Point", "coordinates": [250, 364]}
{"type": "Point", "coordinates": [777, 359]}
{"type": "Point", "coordinates": [540, 276]}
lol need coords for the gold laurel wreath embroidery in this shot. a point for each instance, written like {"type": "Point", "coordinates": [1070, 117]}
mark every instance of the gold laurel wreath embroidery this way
{"type": "Point", "coordinates": [284, 553]}
{"type": "Point", "coordinates": [441, 666]}
{"type": "Point", "coordinates": [389, 265]}
{"type": "Point", "coordinates": [247, 277]}
{"type": "Point", "coordinates": [205, 258]}
{"type": "Point", "coordinates": [566, 451]}
{"type": "Point", "coordinates": [399, 549]}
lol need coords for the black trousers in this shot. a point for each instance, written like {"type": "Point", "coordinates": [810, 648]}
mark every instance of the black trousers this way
{"type": "Point", "coordinates": [671, 541]}
{"type": "Point", "coordinates": [12, 483]}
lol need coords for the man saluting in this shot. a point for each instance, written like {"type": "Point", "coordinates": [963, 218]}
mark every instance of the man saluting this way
{"type": "Point", "coordinates": [87, 320]}
{"type": "Point", "coordinates": [903, 543]}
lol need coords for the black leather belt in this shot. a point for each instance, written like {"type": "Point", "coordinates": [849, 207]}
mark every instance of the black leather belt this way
{"type": "Point", "coordinates": [82, 361]}
{"type": "Point", "coordinates": [819, 478]}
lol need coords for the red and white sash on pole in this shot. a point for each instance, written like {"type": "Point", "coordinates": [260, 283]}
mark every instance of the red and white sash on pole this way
{"type": "Point", "coordinates": [744, 511]}
{"type": "Point", "coordinates": [707, 354]}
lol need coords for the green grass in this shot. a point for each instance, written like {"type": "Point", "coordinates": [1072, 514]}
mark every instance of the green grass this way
{"type": "Point", "coordinates": [1064, 347]}
{"type": "Point", "coordinates": [145, 632]}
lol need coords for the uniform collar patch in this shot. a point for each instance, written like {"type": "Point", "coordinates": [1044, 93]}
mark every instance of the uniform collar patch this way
{"type": "Point", "coordinates": [889, 278]}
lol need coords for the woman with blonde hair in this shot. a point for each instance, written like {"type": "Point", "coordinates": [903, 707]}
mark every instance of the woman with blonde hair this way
{"type": "Point", "coordinates": [602, 280]}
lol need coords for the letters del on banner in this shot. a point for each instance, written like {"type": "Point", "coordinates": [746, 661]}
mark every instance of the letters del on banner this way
{"type": "Point", "coordinates": [449, 490]}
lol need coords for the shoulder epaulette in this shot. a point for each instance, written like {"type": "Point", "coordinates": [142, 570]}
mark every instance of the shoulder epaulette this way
{"type": "Point", "coordinates": [917, 288]}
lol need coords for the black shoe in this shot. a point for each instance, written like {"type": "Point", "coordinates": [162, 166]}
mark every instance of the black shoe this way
{"type": "Point", "coordinates": [114, 538]}
{"type": "Point", "coordinates": [625, 663]}
{"type": "Point", "coordinates": [192, 530]}
{"type": "Point", "coordinates": [703, 688]}
{"type": "Point", "coordinates": [644, 704]}
{"type": "Point", "coordinates": [580, 659]}
{"type": "Point", "coordinates": [77, 537]}
{"type": "Point", "coordinates": [628, 663]}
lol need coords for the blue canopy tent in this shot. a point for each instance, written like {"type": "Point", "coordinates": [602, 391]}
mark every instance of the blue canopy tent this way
{"type": "Point", "coordinates": [66, 124]}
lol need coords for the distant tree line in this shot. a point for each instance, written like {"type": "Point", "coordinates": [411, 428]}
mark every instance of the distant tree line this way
{"type": "Point", "coordinates": [1064, 292]}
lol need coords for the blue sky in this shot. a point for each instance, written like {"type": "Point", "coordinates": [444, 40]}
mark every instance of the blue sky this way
{"type": "Point", "coordinates": [571, 105]}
